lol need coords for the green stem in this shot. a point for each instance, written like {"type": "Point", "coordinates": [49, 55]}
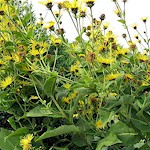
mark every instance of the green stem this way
{"type": "Point", "coordinates": [92, 26]}
{"type": "Point", "coordinates": [56, 52]}
{"type": "Point", "coordinates": [73, 22]}
{"type": "Point", "coordinates": [147, 36]}
{"type": "Point", "coordinates": [57, 21]}
{"type": "Point", "coordinates": [59, 108]}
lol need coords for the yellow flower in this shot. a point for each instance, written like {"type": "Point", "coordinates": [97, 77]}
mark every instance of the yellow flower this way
{"type": "Point", "coordinates": [47, 3]}
{"type": "Point", "coordinates": [89, 3]}
{"type": "Point", "coordinates": [6, 82]}
{"type": "Point", "coordinates": [66, 100]}
{"type": "Point", "coordinates": [128, 76]}
{"type": "Point", "coordinates": [56, 41]}
{"type": "Point", "coordinates": [7, 58]}
{"type": "Point", "coordinates": [106, 25]}
{"type": "Point", "coordinates": [3, 9]}
{"type": "Point", "coordinates": [113, 94]}
{"type": "Point", "coordinates": [26, 142]}
{"type": "Point", "coordinates": [105, 61]}
{"type": "Point", "coordinates": [49, 25]}
{"type": "Point", "coordinates": [99, 124]}
{"type": "Point", "coordinates": [117, 12]}
{"type": "Point", "coordinates": [82, 11]}
{"type": "Point", "coordinates": [81, 55]}
{"type": "Point", "coordinates": [112, 76]}
{"type": "Point", "coordinates": [142, 57]}
{"type": "Point", "coordinates": [15, 57]}
{"type": "Point", "coordinates": [73, 95]}
{"type": "Point", "coordinates": [134, 26]}
{"type": "Point", "coordinates": [124, 61]}
{"type": "Point", "coordinates": [75, 115]}
{"type": "Point", "coordinates": [2, 62]}
{"type": "Point", "coordinates": [81, 103]}
{"type": "Point", "coordinates": [121, 51]}
{"type": "Point", "coordinates": [22, 82]}
{"type": "Point", "coordinates": [38, 48]}
{"type": "Point", "coordinates": [144, 19]}
{"type": "Point", "coordinates": [65, 4]}
{"type": "Point", "coordinates": [74, 68]}
{"type": "Point", "coordinates": [74, 6]}
{"type": "Point", "coordinates": [33, 97]}
{"type": "Point", "coordinates": [67, 85]}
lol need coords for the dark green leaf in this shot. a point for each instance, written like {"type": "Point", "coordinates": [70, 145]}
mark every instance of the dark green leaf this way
{"type": "Point", "coordinates": [111, 139]}
{"type": "Point", "coordinates": [8, 144]}
{"type": "Point", "coordinates": [121, 21]}
{"type": "Point", "coordinates": [41, 111]}
{"type": "Point", "coordinates": [18, 132]}
{"type": "Point", "coordinates": [49, 85]}
{"type": "Point", "coordinates": [125, 134]}
{"type": "Point", "coordinates": [64, 129]}
{"type": "Point", "coordinates": [79, 139]}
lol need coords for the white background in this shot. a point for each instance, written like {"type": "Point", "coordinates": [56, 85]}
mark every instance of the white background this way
{"type": "Point", "coordinates": [135, 10]}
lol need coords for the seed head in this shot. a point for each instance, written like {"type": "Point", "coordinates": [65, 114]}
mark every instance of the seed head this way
{"type": "Point", "coordinates": [102, 17]}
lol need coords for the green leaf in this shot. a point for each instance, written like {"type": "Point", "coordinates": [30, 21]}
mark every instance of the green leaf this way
{"type": "Point", "coordinates": [64, 129]}
{"type": "Point", "coordinates": [127, 99]}
{"type": "Point", "coordinates": [49, 85]}
{"type": "Point", "coordinates": [142, 126]}
{"type": "Point", "coordinates": [19, 132]}
{"type": "Point", "coordinates": [125, 134]}
{"type": "Point", "coordinates": [27, 17]}
{"type": "Point", "coordinates": [8, 144]}
{"type": "Point", "coordinates": [111, 139]}
{"type": "Point", "coordinates": [30, 33]}
{"type": "Point", "coordinates": [105, 115]}
{"type": "Point", "coordinates": [122, 21]}
{"type": "Point", "coordinates": [12, 122]}
{"type": "Point", "coordinates": [41, 111]}
{"type": "Point", "coordinates": [79, 139]}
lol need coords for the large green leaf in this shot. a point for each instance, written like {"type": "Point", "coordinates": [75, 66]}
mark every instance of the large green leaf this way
{"type": "Point", "coordinates": [141, 125]}
{"type": "Point", "coordinates": [41, 111]}
{"type": "Point", "coordinates": [49, 85]}
{"type": "Point", "coordinates": [106, 116]}
{"type": "Point", "coordinates": [18, 132]}
{"type": "Point", "coordinates": [8, 144]}
{"type": "Point", "coordinates": [125, 134]}
{"type": "Point", "coordinates": [64, 129]}
{"type": "Point", "coordinates": [80, 139]}
{"type": "Point", "coordinates": [111, 139]}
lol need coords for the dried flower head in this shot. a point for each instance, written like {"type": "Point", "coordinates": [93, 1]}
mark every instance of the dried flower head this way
{"type": "Point", "coordinates": [124, 35]}
{"type": "Point", "coordinates": [102, 17]}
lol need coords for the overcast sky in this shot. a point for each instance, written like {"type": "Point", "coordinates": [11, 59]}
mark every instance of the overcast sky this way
{"type": "Point", "coordinates": [135, 10]}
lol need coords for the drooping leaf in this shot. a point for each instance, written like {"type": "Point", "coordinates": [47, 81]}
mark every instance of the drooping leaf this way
{"type": "Point", "coordinates": [64, 129]}
{"type": "Point", "coordinates": [18, 132]}
{"type": "Point", "coordinates": [121, 21]}
{"type": "Point", "coordinates": [79, 139]}
{"type": "Point", "coordinates": [127, 135]}
{"type": "Point", "coordinates": [41, 111]}
{"type": "Point", "coordinates": [49, 85]}
{"type": "Point", "coordinates": [8, 144]}
{"type": "Point", "coordinates": [111, 139]}
{"type": "Point", "coordinates": [141, 125]}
